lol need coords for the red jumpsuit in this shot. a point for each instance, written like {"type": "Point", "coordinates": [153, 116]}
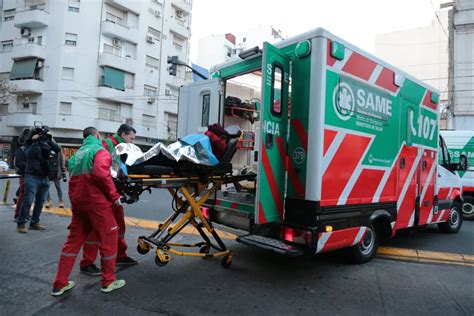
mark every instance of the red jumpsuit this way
{"type": "Point", "coordinates": [92, 194]}
{"type": "Point", "coordinates": [91, 245]}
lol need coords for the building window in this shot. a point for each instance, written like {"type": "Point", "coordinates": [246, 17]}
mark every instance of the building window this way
{"type": "Point", "coordinates": [148, 120]}
{"type": "Point", "coordinates": [74, 5]}
{"type": "Point", "coordinates": [7, 46]}
{"type": "Point", "coordinates": [71, 39]}
{"type": "Point", "coordinates": [67, 74]}
{"type": "Point", "coordinates": [9, 15]}
{"type": "Point", "coordinates": [172, 126]}
{"type": "Point", "coordinates": [108, 114]}
{"type": "Point", "coordinates": [29, 107]}
{"type": "Point", "coordinates": [112, 78]}
{"type": "Point", "coordinates": [149, 91]}
{"type": "Point", "coordinates": [154, 34]}
{"type": "Point", "coordinates": [30, 68]}
{"type": "Point", "coordinates": [152, 62]}
{"type": "Point", "coordinates": [115, 18]}
{"type": "Point", "coordinates": [3, 109]}
{"type": "Point", "coordinates": [65, 108]}
{"type": "Point", "coordinates": [115, 48]}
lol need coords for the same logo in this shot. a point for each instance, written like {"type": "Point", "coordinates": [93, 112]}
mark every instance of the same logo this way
{"type": "Point", "coordinates": [343, 101]}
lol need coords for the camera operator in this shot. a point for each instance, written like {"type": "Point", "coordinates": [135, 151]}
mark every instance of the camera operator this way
{"type": "Point", "coordinates": [39, 151]}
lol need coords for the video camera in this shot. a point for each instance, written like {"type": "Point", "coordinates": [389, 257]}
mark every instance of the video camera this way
{"type": "Point", "coordinates": [42, 131]}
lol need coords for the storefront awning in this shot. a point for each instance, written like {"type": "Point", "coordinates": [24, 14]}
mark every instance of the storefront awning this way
{"type": "Point", "coordinates": [23, 69]}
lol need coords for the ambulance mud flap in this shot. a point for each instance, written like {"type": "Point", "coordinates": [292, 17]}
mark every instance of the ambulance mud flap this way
{"type": "Point", "coordinates": [274, 245]}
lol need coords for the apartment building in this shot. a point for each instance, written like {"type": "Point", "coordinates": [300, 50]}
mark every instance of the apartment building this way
{"type": "Point", "coordinates": [70, 64]}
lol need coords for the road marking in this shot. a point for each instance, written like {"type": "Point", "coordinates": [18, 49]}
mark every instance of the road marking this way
{"type": "Point", "coordinates": [402, 254]}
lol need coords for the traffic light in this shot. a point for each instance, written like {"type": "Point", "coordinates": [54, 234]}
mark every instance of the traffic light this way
{"type": "Point", "coordinates": [173, 61]}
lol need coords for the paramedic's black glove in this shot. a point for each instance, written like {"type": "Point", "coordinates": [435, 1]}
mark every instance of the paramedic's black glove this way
{"type": "Point", "coordinates": [64, 177]}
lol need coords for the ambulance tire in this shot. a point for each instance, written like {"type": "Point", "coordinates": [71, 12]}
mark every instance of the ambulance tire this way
{"type": "Point", "coordinates": [454, 222]}
{"type": "Point", "coordinates": [468, 210]}
{"type": "Point", "coordinates": [367, 247]}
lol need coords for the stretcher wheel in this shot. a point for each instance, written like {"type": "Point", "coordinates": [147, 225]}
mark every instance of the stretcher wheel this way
{"type": "Point", "coordinates": [205, 249]}
{"type": "Point", "coordinates": [143, 248]}
{"type": "Point", "coordinates": [226, 261]}
{"type": "Point", "coordinates": [159, 262]}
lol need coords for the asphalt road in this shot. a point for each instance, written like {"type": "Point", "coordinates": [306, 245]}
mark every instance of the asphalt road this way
{"type": "Point", "coordinates": [157, 206]}
{"type": "Point", "coordinates": [257, 283]}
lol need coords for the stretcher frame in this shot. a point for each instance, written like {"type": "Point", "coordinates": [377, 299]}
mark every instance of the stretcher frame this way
{"type": "Point", "coordinates": [189, 194]}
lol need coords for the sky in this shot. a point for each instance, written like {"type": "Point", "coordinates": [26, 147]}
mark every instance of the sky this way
{"type": "Point", "coordinates": [357, 21]}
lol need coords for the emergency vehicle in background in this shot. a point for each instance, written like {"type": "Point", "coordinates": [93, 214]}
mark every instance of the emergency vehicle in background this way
{"type": "Point", "coordinates": [344, 145]}
{"type": "Point", "coordinates": [460, 145]}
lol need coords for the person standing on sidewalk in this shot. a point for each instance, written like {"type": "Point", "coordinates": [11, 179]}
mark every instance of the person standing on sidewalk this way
{"type": "Point", "coordinates": [20, 164]}
{"type": "Point", "coordinates": [125, 134]}
{"type": "Point", "coordinates": [57, 173]}
{"type": "Point", "coordinates": [39, 151]}
{"type": "Point", "coordinates": [92, 194]}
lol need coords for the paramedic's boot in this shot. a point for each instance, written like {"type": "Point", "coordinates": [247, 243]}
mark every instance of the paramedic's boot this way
{"type": "Point", "coordinates": [61, 204]}
{"type": "Point", "coordinates": [91, 270]}
{"type": "Point", "coordinates": [48, 204]}
{"type": "Point", "coordinates": [127, 261]}
{"type": "Point", "coordinates": [59, 292]}
{"type": "Point", "coordinates": [117, 284]}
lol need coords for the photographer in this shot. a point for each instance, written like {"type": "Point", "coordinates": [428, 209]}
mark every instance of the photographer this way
{"type": "Point", "coordinates": [40, 151]}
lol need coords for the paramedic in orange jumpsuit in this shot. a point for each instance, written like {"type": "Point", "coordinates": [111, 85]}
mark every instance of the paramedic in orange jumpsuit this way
{"type": "Point", "coordinates": [92, 194]}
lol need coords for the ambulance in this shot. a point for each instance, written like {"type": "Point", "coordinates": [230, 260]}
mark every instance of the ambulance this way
{"type": "Point", "coordinates": [344, 146]}
{"type": "Point", "coordinates": [460, 146]}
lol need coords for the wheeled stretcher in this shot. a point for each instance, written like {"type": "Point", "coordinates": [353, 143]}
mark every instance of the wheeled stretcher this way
{"type": "Point", "coordinates": [191, 186]}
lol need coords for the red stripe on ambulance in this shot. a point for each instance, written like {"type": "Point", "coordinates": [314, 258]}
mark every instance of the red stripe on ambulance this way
{"type": "Point", "coordinates": [386, 80]}
{"type": "Point", "coordinates": [340, 238]}
{"type": "Point", "coordinates": [365, 187]}
{"type": "Point", "coordinates": [329, 136]}
{"type": "Point", "coordinates": [272, 182]}
{"type": "Point", "coordinates": [427, 100]}
{"type": "Point", "coordinates": [342, 166]}
{"type": "Point", "coordinates": [292, 175]}
{"type": "Point", "coordinates": [359, 66]}
{"type": "Point", "coordinates": [301, 133]}
{"type": "Point", "coordinates": [330, 60]}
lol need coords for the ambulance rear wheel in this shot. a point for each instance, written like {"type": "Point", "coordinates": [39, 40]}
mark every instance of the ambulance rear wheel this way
{"type": "Point", "coordinates": [367, 247]}
{"type": "Point", "coordinates": [468, 210]}
{"type": "Point", "coordinates": [454, 222]}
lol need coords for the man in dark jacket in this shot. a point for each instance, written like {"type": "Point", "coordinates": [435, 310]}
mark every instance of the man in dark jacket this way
{"type": "Point", "coordinates": [39, 151]}
{"type": "Point", "coordinates": [20, 163]}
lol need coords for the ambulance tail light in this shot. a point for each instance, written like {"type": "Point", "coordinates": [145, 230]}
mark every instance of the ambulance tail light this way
{"type": "Point", "coordinates": [206, 212]}
{"type": "Point", "coordinates": [296, 235]}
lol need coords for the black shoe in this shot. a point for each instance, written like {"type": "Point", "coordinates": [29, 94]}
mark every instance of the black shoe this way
{"type": "Point", "coordinates": [127, 261]}
{"type": "Point", "coordinates": [91, 270]}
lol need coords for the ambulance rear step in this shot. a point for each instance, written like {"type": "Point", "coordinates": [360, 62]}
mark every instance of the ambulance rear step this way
{"type": "Point", "coordinates": [271, 244]}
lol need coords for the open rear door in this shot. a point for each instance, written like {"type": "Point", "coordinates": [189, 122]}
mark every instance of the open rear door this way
{"type": "Point", "coordinates": [273, 136]}
{"type": "Point", "coordinates": [198, 106]}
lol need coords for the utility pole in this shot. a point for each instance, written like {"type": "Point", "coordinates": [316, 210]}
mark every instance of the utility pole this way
{"type": "Point", "coordinates": [450, 107]}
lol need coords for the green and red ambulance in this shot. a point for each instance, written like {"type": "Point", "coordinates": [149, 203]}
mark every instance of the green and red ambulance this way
{"type": "Point", "coordinates": [353, 160]}
{"type": "Point", "coordinates": [460, 146]}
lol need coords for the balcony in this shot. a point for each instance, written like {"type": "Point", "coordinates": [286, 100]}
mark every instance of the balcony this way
{"type": "Point", "coordinates": [27, 86]}
{"type": "Point", "coordinates": [29, 50]}
{"type": "Point", "coordinates": [125, 5]}
{"type": "Point", "coordinates": [112, 29]}
{"type": "Point", "coordinates": [22, 119]}
{"type": "Point", "coordinates": [179, 27]}
{"type": "Point", "coordinates": [106, 126]}
{"type": "Point", "coordinates": [114, 95]}
{"type": "Point", "coordinates": [33, 16]}
{"type": "Point", "coordinates": [123, 63]}
{"type": "Point", "coordinates": [185, 5]}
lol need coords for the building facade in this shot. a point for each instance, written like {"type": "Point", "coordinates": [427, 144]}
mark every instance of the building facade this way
{"type": "Point", "coordinates": [72, 64]}
{"type": "Point", "coordinates": [442, 55]}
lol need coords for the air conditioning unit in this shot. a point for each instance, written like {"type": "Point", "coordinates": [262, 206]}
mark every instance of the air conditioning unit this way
{"type": "Point", "coordinates": [128, 121]}
{"type": "Point", "coordinates": [116, 42]}
{"type": "Point", "coordinates": [179, 13]}
{"type": "Point", "coordinates": [149, 39]}
{"type": "Point", "coordinates": [150, 100]}
{"type": "Point", "coordinates": [25, 31]}
{"type": "Point", "coordinates": [157, 13]}
{"type": "Point", "coordinates": [167, 92]}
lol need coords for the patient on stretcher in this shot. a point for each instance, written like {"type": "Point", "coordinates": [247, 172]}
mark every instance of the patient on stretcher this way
{"type": "Point", "coordinates": [193, 155]}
